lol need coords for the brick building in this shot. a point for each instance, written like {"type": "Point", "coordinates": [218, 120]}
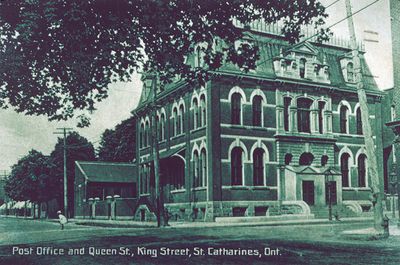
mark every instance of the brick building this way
{"type": "Point", "coordinates": [261, 142]}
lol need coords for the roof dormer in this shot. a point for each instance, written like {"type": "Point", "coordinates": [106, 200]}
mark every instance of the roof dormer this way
{"type": "Point", "coordinates": [301, 62]}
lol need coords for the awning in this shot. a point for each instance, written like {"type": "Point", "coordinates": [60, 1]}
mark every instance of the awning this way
{"type": "Point", "coordinates": [3, 206]}
{"type": "Point", "coordinates": [19, 205]}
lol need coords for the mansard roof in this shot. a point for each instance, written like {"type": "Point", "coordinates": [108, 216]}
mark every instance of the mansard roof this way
{"type": "Point", "coordinates": [273, 47]}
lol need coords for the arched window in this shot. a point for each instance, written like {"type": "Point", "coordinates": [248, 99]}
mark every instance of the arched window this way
{"type": "Point", "coordinates": [359, 121]}
{"type": "Point", "coordinates": [345, 169]}
{"type": "Point", "coordinates": [175, 118]}
{"type": "Point", "coordinates": [196, 169]}
{"type": "Point", "coordinates": [258, 167]}
{"type": "Point", "coordinates": [257, 110]}
{"type": "Point", "coordinates": [236, 106]}
{"type": "Point", "coordinates": [286, 102]}
{"type": "Point", "coordinates": [147, 132]}
{"type": "Point", "coordinates": [294, 66]}
{"type": "Point", "coordinates": [303, 114]}
{"type": "Point", "coordinates": [162, 129]}
{"type": "Point", "coordinates": [324, 160]}
{"type": "Point", "coordinates": [362, 170]}
{"type": "Point", "coordinates": [321, 107]}
{"type": "Point", "coordinates": [198, 57]}
{"type": "Point", "coordinates": [350, 72]}
{"type": "Point", "coordinates": [316, 70]}
{"type": "Point", "coordinates": [158, 127]}
{"type": "Point", "coordinates": [343, 119]}
{"type": "Point", "coordinates": [203, 110]}
{"type": "Point", "coordinates": [306, 159]}
{"type": "Point", "coordinates": [203, 159]}
{"type": "Point", "coordinates": [302, 67]}
{"type": "Point", "coordinates": [288, 159]}
{"type": "Point", "coordinates": [236, 166]}
{"type": "Point", "coordinates": [181, 118]}
{"type": "Point", "coordinates": [196, 122]}
{"type": "Point", "coordinates": [141, 135]}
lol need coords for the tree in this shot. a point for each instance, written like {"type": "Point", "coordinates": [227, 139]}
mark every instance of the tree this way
{"type": "Point", "coordinates": [118, 144]}
{"type": "Point", "coordinates": [30, 179]}
{"type": "Point", "coordinates": [78, 149]}
{"type": "Point", "coordinates": [58, 56]}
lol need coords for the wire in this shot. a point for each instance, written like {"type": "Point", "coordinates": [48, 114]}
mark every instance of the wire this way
{"type": "Point", "coordinates": [332, 4]}
{"type": "Point", "coordinates": [331, 26]}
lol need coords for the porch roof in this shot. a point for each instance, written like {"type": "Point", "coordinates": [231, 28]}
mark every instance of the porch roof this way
{"type": "Point", "coordinates": [107, 172]}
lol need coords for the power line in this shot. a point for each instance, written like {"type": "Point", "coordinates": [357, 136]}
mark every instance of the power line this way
{"type": "Point", "coordinates": [331, 26]}
{"type": "Point", "coordinates": [332, 4]}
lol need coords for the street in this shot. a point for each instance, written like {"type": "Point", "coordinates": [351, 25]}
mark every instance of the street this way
{"type": "Point", "coordinates": [40, 242]}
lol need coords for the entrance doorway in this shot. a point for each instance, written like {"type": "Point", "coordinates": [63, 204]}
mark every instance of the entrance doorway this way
{"type": "Point", "coordinates": [308, 192]}
{"type": "Point", "coordinates": [330, 190]}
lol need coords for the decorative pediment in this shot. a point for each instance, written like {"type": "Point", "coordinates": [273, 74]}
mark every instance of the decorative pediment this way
{"type": "Point", "coordinates": [301, 62]}
{"type": "Point", "coordinates": [304, 48]}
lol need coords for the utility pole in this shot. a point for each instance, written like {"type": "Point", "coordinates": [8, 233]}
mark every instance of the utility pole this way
{"type": "Point", "coordinates": [159, 197]}
{"type": "Point", "coordinates": [377, 195]}
{"type": "Point", "coordinates": [64, 133]}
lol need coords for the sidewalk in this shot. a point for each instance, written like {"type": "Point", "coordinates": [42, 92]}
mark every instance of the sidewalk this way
{"type": "Point", "coordinates": [187, 224]}
{"type": "Point", "coordinates": [138, 224]}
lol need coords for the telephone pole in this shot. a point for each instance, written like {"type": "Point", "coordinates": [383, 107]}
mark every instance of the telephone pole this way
{"type": "Point", "coordinates": [63, 131]}
{"type": "Point", "coordinates": [377, 194]}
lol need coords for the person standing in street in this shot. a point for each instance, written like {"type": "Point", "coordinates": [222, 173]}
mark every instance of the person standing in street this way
{"type": "Point", "coordinates": [62, 219]}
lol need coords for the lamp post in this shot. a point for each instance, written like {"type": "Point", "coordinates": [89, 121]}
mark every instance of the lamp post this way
{"type": "Point", "coordinates": [328, 182]}
{"type": "Point", "coordinates": [393, 183]}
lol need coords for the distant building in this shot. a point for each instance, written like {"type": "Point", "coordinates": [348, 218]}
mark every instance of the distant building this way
{"type": "Point", "coordinates": [261, 142]}
{"type": "Point", "coordinates": [103, 183]}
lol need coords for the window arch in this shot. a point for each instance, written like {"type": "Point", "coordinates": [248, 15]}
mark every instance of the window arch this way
{"type": "Point", "coordinates": [344, 111]}
{"type": "Point", "coordinates": [362, 170]}
{"type": "Point", "coordinates": [350, 72]}
{"type": "Point", "coordinates": [237, 166]}
{"type": "Point", "coordinates": [345, 169]}
{"type": "Point", "coordinates": [203, 109]}
{"type": "Point", "coordinates": [236, 108]}
{"type": "Point", "coordinates": [258, 167]}
{"type": "Point", "coordinates": [303, 114]}
{"type": "Point", "coordinates": [306, 159]}
{"type": "Point", "coordinates": [302, 67]}
{"type": "Point", "coordinates": [359, 121]}
{"type": "Point", "coordinates": [257, 111]}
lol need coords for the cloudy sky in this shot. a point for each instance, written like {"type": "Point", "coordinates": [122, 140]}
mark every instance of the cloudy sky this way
{"type": "Point", "coordinates": [19, 133]}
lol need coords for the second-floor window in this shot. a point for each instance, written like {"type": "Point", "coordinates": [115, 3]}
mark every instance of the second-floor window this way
{"type": "Point", "coordinates": [321, 107]}
{"type": "Point", "coordinates": [257, 110]}
{"type": "Point", "coordinates": [236, 106]}
{"type": "Point", "coordinates": [343, 119]}
{"type": "Point", "coordinates": [350, 72]}
{"type": "Point", "coordinates": [286, 103]}
{"type": "Point", "coordinates": [359, 121]}
{"type": "Point", "coordinates": [303, 114]}
{"type": "Point", "coordinates": [302, 67]}
{"type": "Point", "coordinates": [344, 168]}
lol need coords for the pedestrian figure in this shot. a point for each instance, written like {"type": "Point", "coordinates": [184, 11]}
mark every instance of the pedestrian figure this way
{"type": "Point", "coordinates": [62, 219]}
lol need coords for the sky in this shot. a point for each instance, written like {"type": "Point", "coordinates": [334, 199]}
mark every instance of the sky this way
{"type": "Point", "coordinates": [20, 133]}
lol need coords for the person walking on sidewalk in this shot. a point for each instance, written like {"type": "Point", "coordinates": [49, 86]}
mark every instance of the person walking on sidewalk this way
{"type": "Point", "coordinates": [62, 219]}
